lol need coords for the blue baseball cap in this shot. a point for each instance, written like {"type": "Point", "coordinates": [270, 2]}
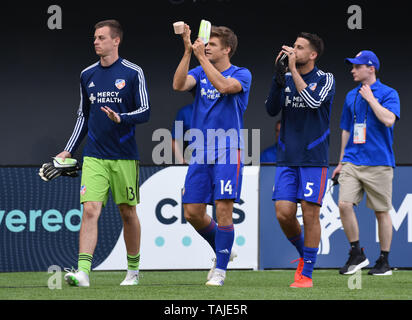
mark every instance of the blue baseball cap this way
{"type": "Point", "coordinates": [365, 57]}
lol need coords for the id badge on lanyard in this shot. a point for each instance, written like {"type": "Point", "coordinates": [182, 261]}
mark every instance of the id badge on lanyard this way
{"type": "Point", "coordinates": [359, 133]}
{"type": "Point", "coordinates": [359, 130]}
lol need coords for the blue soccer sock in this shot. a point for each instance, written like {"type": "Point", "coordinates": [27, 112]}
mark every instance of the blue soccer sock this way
{"type": "Point", "coordinates": [298, 241]}
{"type": "Point", "coordinates": [209, 233]}
{"type": "Point", "coordinates": [225, 236]}
{"type": "Point", "coordinates": [309, 257]}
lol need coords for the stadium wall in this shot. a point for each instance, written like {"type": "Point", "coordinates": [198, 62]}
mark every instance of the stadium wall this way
{"type": "Point", "coordinates": [40, 222]}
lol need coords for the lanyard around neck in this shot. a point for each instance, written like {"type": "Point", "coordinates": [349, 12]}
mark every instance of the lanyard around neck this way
{"type": "Point", "coordinates": [354, 109]}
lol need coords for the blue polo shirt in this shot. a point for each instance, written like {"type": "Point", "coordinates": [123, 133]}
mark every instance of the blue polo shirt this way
{"type": "Point", "coordinates": [377, 150]}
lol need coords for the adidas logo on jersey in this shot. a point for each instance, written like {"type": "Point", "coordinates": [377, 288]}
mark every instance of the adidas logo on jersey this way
{"type": "Point", "coordinates": [91, 85]}
{"type": "Point", "coordinates": [287, 89]}
{"type": "Point", "coordinates": [225, 251]}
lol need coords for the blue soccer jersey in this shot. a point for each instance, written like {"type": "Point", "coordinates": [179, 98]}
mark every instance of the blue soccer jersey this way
{"type": "Point", "coordinates": [222, 179]}
{"type": "Point", "coordinates": [121, 87]}
{"type": "Point", "coordinates": [213, 110]}
{"type": "Point", "coordinates": [304, 133]}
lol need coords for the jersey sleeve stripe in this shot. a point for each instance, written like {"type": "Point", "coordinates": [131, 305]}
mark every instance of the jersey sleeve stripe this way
{"type": "Point", "coordinates": [90, 67]}
{"type": "Point", "coordinates": [79, 125]}
{"type": "Point", "coordinates": [313, 103]}
{"type": "Point", "coordinates": [76, 133]}
{"type": "Point", "coordinates": [142, 83]}
{"type": "Point", "coordinates": [325, 90]}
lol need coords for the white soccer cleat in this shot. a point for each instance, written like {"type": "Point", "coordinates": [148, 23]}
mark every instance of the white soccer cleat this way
{"type": "Point", "coordinates": [77, 278]}
{"type": "Point", "coordinates": [233, 255]}
{"type": "Point", "coordinates": [132, 279]}
{"type": "Point", "coordinates": [217, 279]}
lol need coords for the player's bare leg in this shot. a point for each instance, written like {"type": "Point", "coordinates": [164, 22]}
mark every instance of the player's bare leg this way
{"type": "Point", "coordinates": [224, 212]}
{"type": "Point", "coordinates": [131, 234]}
{"type": "Point", "coordinates": [286, 215]}
{"type": "Point", "coordinates": [88, 230]}
{"type": "Point", "coordinates": [311, 224]}
{"type": "Point", "coordinates": [195, 214]}
{"type": "Point", "coordinates": [87, 244]}
{"type": "Point", "coordinates": [131, 228]}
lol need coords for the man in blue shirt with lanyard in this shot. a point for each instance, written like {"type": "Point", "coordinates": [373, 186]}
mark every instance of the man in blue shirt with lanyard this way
{"type": "Point", "coordinates": [367, 159]}
{"type": "Point", "coordinates": [222, 93]}
{"type": "Point", "coordinates": [305, 101]}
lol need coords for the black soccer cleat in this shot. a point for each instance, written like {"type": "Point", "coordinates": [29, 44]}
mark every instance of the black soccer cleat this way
{"type": "Point", "coordinates": [381, 268]}
{"type": "Point", "coordinates": [357, 260]}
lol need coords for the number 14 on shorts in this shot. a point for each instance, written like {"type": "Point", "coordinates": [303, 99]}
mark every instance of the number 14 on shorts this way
{"type": "Point", "coordinates": [225, 187]}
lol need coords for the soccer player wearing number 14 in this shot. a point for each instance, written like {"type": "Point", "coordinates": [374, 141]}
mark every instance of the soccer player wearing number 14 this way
{"type": "Point", "coordinates": [222, 92]}
{"type": "Point", "coordinates": [113, 100]}
{"type": "Point", "coordinates": [302, 164]}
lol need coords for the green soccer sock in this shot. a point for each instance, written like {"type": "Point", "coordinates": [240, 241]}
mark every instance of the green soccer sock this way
{"type": "Point", "coordinates": [85, 262]}
{"type": "Point", "coordinates": [133, 262]}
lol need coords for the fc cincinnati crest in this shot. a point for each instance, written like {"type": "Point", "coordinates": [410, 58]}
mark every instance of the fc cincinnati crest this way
{"type": "Point", "coordinates": [120, 84]}
{"type": "Point", "coordinates": [313, 86]}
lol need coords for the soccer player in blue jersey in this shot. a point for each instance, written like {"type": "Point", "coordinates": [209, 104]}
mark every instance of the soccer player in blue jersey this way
{"type": "Point", "coordinates": [302, 156]}
{"type": "Point", "coordinates": [113, 99]}
{"type": "Point", "coordinates": [222, 92]}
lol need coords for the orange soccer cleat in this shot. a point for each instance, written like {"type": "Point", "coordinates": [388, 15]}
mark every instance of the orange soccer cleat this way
{"type": "Point", "coordinates": [303, 282]}
{"type": "Point", "coordinates": [299, 269]}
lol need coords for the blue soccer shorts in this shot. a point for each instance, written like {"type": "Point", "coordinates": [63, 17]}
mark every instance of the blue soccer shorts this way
{"type": "Point", "coordinates": [300, 183]}
{"type": "Point", "coordinates": [206, 183]}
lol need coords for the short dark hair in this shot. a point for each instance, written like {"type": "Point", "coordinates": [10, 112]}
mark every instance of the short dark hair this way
{"type": "Point", "coordinates": [315, 41]}
{"type": "Point", "coordinates": [227, 37]}
{"type": "Point", "coordinates": [116, 29]}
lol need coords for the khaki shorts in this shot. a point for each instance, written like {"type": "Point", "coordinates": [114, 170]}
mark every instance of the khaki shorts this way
{"type": "Point", "coordinates": [376, 181]}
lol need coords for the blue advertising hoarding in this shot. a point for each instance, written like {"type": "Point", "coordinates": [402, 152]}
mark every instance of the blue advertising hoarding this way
{"type": "Point", "coordinates": [277, 252]}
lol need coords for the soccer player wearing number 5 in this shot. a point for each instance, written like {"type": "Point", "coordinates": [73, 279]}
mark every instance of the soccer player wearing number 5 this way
{"type": "Point", "coordinates": [113, 99]}
{"type": "Point", "coordinates": [302, 164]}
{"type": "Point", "coordinates": [222, 92]}
{"type": "Point", "coordinates": [367, 159]}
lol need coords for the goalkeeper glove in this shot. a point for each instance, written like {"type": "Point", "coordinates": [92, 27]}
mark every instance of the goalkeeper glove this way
{"type": "Point", "coordinates": [280, 70]}
{"type": "Point", "coordinates": [59, 167]}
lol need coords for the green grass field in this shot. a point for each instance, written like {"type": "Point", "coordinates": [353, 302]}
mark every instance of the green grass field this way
{"type": "Point", "coordinates": [189, 285]}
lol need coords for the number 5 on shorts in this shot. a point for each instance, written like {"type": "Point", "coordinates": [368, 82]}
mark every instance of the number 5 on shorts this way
{"type": "Point", "coordinates": [225, 188]}
{"type": "Point", "coordinates": [309, 189]}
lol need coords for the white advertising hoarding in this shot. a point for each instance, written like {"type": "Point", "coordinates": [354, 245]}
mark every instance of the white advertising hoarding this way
{"type": "Point", "coordinates": [169, 242]}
